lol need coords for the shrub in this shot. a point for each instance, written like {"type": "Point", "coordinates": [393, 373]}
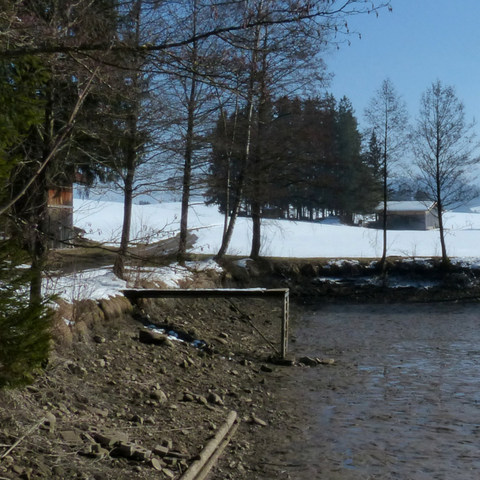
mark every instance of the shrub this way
{"type": "Point", "coordinates": [24, 328]}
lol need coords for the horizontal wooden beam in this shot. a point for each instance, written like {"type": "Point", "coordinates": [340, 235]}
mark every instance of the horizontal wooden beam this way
{"type": "Point", "coordinates": [136, 293]}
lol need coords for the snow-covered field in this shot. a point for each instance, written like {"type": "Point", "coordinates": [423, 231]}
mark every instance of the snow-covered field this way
{"type": "Point", "coordinates": [281, 238]}
{"type": "Point", "coordinates": [102, 222]}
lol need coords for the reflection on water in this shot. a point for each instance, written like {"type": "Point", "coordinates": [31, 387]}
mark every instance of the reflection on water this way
{"type": "Point", "coordinates": [402, 401]}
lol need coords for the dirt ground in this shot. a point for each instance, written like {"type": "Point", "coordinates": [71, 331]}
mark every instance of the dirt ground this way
{"type": "Point", "coordinates": [104, 387]}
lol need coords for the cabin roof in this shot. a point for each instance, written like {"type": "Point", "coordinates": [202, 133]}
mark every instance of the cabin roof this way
{"type": "Point", "coordinates": [410, 206]}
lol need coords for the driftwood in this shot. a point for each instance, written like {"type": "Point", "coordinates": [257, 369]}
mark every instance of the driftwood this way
{"type": "Point", "coordinates": [200, 468]}
{"type": "Point", "coordinates": [30, 431]}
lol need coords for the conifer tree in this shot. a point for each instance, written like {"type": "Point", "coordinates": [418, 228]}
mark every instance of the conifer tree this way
{"type": "Point", "coordinates": [24, 326]}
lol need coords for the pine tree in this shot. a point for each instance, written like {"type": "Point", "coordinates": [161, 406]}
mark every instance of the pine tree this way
{"type": "Point", "coordinates": [359, 191]}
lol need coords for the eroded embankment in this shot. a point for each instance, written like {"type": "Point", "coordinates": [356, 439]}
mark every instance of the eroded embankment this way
{"type": "Point", "coordinates": [361, 281]}
{"type": "Point", "coordinates": [117, 403]}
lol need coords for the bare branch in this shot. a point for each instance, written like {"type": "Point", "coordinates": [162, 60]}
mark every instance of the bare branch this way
{"type": "Point", "coordinates": [323, 11]}
{"type": "Point", "coordinates": [56, 146]}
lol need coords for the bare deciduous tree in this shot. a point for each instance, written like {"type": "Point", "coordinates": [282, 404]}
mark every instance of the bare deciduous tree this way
{"type": "Point", "coordinates": [387, 116]}
{"type": "Point", "coordinates": [443, 145]}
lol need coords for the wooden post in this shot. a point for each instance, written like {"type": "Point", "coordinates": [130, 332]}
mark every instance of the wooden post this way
{"type": "Point", "coordinates": [285, 317]}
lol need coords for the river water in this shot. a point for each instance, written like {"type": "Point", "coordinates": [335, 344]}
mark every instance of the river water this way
{"type": "Point", "coordinates": [402, 400]}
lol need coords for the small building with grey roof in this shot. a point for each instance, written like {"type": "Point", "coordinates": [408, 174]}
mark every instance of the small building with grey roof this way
{"type": "Point", "coordinates": [408, 215]}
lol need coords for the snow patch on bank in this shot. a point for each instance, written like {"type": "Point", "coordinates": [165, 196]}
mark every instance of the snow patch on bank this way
{"type": "Point", "coordinates": [101, 283]}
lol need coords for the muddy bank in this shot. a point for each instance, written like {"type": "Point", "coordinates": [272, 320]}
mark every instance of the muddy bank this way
{"type": "Point", "coordinates": [359, 281]}
{"type": "Point", "coordinates": [113, 405]}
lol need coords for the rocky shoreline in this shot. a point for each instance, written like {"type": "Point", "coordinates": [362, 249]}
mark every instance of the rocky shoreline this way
{"type": "Point", "coordinates": [119, 401]}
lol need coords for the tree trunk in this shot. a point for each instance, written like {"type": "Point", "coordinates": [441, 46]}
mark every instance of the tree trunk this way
{"type": "Point", "coordinates": [187, 178]}
{"type": "Point", "coordinates": [233, 217]}
{"type": "Point", "coordinates": [187, 174]}
{"type": "Point", "coordinates": [246, 157]}
{"type": "Point", "coordinates": [37, 216]}
{"type": "Point", "coordinates": [228, 185]}
{"type": "Point", "coordinates": [383, 261]}
{"type": "Point", "coordinates": [187, 167]}
{"type": "Point", "coordinates": [445, 259]}
{"type": "Point", "coordinates": [384, 224]}
{"type": "Point", "coordinates": [131, 155]}
{"type": "Point", "coordinates": [227, 200]}
{"type": "Point", "coordinates": [259, 158]}
{"type": "Point", "coordinates": [119, 265]}
{"type": "Point", "coordinates": [256, 230]}
{"type": "Point", "coordinates": [37, 239]}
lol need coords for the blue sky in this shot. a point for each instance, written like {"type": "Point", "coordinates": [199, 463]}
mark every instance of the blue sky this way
{"type": "Point", "coordinates": [419, 42]}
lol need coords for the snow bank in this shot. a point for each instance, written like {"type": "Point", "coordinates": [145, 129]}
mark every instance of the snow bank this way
{"type": "Point", "coordinates": [92, 284]}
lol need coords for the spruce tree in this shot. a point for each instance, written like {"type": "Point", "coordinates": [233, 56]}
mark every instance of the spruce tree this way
{"type": "Point", "coordinates": [24, 326]}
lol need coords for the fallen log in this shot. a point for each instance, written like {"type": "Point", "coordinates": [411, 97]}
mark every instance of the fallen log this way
{"type": "Point", "coordinates": [200, 468]}
{"type": "Point", "coordinates": [30, 430]}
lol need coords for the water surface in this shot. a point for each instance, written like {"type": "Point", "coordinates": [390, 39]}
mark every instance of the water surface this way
{"type": "Point", "coordinates": [401, 402]}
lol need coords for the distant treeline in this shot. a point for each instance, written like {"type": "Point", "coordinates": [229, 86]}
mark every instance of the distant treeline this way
{"type": "Point", "coordinates": [306, 162]}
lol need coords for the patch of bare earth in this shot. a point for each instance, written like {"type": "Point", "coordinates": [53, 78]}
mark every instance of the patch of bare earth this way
{"type": "Point", "coordinates": [110, 406]}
